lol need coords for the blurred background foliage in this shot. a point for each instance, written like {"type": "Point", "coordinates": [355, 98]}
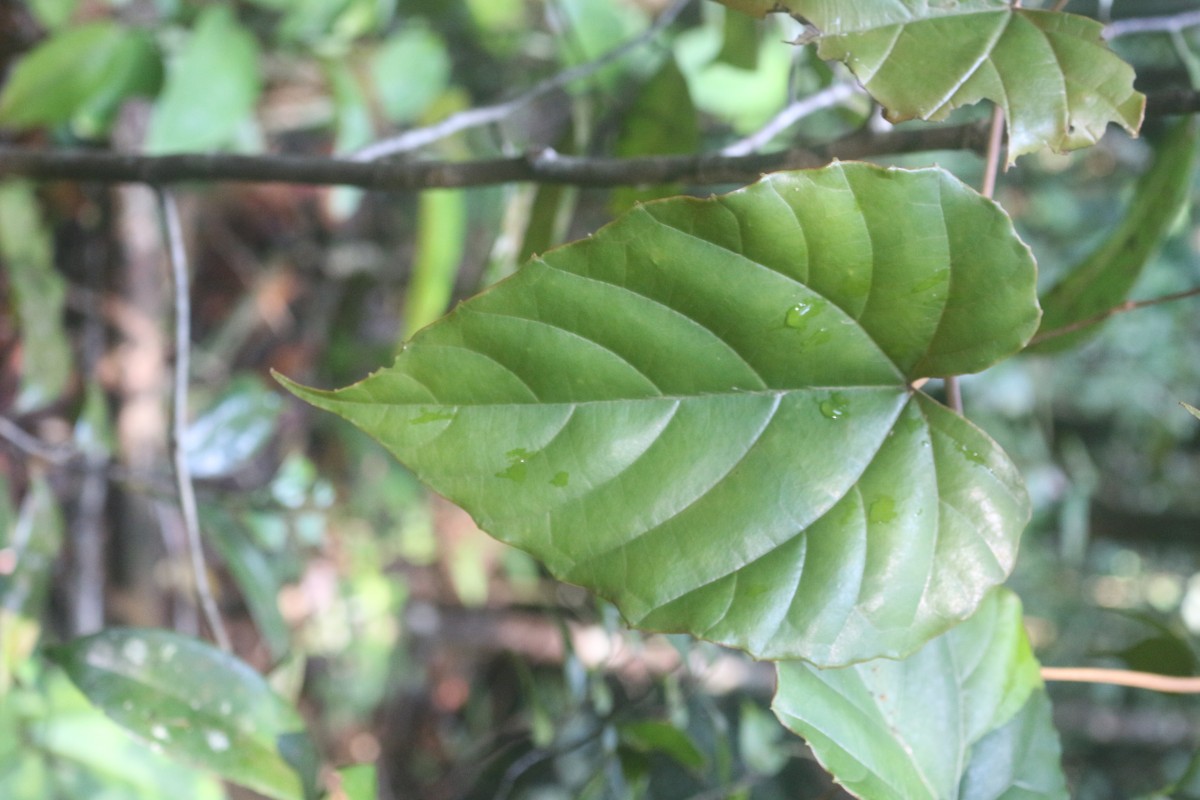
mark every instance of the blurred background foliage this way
{"type": "Point", "coordinates": [408, 638]}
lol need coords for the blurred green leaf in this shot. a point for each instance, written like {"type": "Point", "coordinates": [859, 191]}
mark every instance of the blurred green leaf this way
{"type": "Point", "coordinates": [359, 782]}
{"type": "Point", "coordinates": [255, 573]}
{"type": "Point", "coordinates": [651, 736]}
{"type": "Point", "coordinates": [740, 46]}
{"type": "Point", "coordinates": [963, 717]}
{"type": "Point", "coordinates": [198, 704]}
{"type": "Point", "coordinates": [53, 14]}
{"type": "Point", "coordinates": [329, 26]}
{"type": "Point", "coordinates": [744, 98]}
{"type": "Point", "coordinates": [1103, 279]}
{"type": "Point", "coordinates": [627, 409]}
{"type": "Point", "coordinates": [39, 294]}
{"type": "Point", "coordinates": [226, 436]}
{"type": "Point", "coordinates": [761, 740]}
{"type": "Point", "coordinates": [409, 70]}
{"type": "Point", "coordinates": [661, 121]}
{"type": "Point", "coordinates": [441, 233]}
{"type": "Point", "coordinates": [1195, 412]}
{"type": "Point", "coordinates": [31, 545]}
{"type": "Point", "coordinates": [84, 71]}
{"type": "Point", "coordinates": [211, 89]}
{"type": "Point", "coordinates": [55, 744]}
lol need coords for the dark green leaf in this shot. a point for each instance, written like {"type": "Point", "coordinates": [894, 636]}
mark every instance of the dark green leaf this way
{"type": "Point", "coordinates": [1103, 279]}
{"type": "Point", "coordinates": [198, 704]}
{"type": "Point", "coordinates": [963, 717]}
{"type": "Point", "coordinates": [704, 414]}
{"type": "Point", "coordinates": [211, 89]}
{"type": "Point", "coordinates": [661, 121]}
{"type": "Point", "coordinates": [649, 736]}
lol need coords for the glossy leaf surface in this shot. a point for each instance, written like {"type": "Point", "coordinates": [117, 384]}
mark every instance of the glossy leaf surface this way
{"type": "Point", "coordinates": [963, 717]}
{"type": "Point", "coordinates": [198, 704]}
{"type": "Point", "coordinates": [1103, 279]}
{"type": "Point", "coordinates": [703, 412]}
{"type": "Point", "coordinates": [1058, 83]}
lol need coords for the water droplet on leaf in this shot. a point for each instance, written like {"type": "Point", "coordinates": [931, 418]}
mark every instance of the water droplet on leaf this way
{"type": "Point", "coordinates": [795, 317]}
{"type": "Point", "coordinates": [561, 479]}
{"type": "Point", "coordinates": [882, 510]}
{"type": "Point", "coordinates": [836, 406]}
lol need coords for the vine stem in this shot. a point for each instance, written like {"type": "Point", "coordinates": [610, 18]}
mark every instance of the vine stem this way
{"type": "Point", "coordinates": [1123, 677]}
{"type": "Point", "coordinates": [177, 256]}
{"type": "Point", "coordinates": [1128, 305]}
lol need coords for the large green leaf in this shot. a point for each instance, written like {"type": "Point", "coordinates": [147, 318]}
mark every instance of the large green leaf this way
{"type": "Point", "coordinates": [704, 413]}
{"type": "Point", "coordinates": [1103, 279]}
{"type": "Point", "coordinates": [197, 704]}
{"type": "Point", "coordinates": [963, 717]}
{"type": "Point", "coordinates": [1058, 83]}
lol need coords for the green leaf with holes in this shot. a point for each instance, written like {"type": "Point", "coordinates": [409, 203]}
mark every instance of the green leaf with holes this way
{"type": "Point", "coordinates": [964, 717]}
{"type": "Point", "coordinates": [197, 704]}
{"type": "Point", "coordinates": [1058, 83]}
{"type": "Point", "coordinates": [704, 412]}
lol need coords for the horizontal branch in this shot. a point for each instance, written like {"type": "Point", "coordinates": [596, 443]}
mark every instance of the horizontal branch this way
{"type": "Point", "coordinates": [544, 166]}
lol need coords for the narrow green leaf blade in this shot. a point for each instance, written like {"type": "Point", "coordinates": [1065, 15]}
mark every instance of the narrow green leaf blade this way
{"type": "Point", "coordinates": [198, 704]}
{"type": "Point", "coordinates": [957, 719]}
{"type": "Point", "coordinates": [1195, 412]}
{"type": "Point", "coordinates": [703, 412]}
{"type": "Point", "coordinates": [1103, 279]}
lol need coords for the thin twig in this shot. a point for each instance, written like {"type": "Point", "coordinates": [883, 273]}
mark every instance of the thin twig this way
{"type": "Point", "coordinates": [1123, 677]}
{"type": "Point", "coordinates": [30, 445]}
{"type": "Point", "coordinates": [545, 167]}
{"type": "Point", "coordinates": [415, 139]}
{"type": "Point", "coordinates": [991, 167]}
{"type": "Point", "coordinates": [789, 116]}
{"type": "Point", "coordinates": [1161, 24]}
{"type": "Point", "coordinates": [1095, 319]}
{"type": "Point", "coordinates": [183, 475]}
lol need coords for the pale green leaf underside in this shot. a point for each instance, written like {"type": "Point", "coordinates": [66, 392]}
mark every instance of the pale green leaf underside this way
{"type": "Point", "coordinates": [703, 413]}
{"type": "Point", "coordinates": [963, 718]}
{"type": "Point", "coordinates": [1058, 83]}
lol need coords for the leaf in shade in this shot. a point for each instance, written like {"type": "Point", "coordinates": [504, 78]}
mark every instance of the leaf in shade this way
{"type": "Point", "coordinates": [964, 717]}
{"type": "Point", "coordinates": [1058, 83]}
{"type": "Point", "coordinates": [703, 412]}
{"type": "Point", "coordinates": [198, 704]}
